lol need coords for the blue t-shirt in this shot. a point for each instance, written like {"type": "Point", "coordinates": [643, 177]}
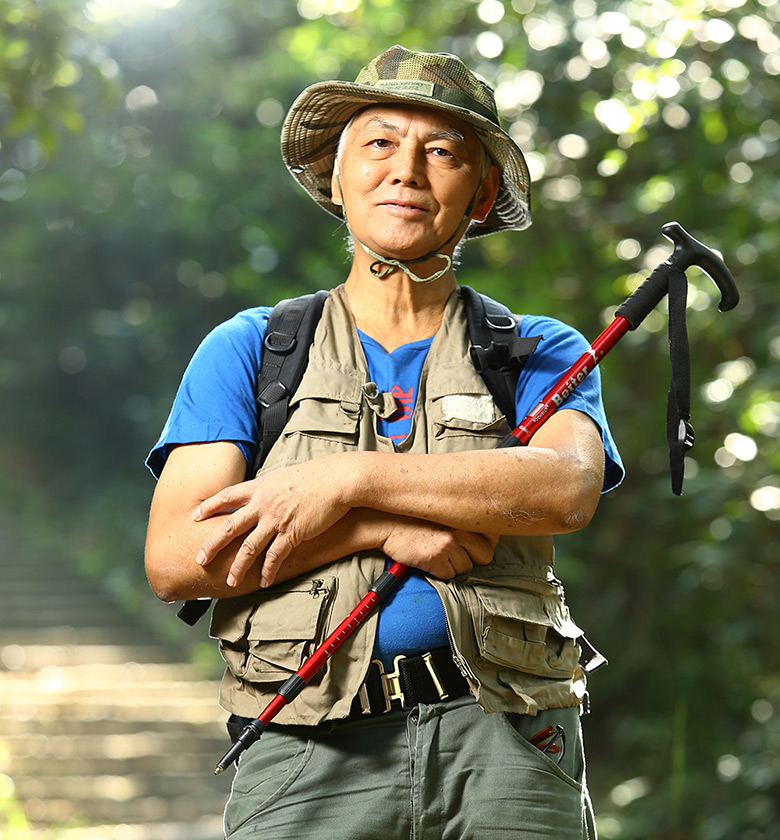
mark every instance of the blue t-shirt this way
{"type": "Point", "coordinates": [215, 402]}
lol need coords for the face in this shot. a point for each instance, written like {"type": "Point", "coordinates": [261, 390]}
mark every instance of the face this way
{"type": "Point", "coordinates": [407, 176]}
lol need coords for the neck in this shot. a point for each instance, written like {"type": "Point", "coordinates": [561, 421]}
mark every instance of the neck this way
{"type": "Point", "coordinates": [393, 309]}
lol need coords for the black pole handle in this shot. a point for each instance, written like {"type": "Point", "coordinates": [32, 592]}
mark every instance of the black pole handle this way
{"type": "Point", "coordinates": [689, 251]}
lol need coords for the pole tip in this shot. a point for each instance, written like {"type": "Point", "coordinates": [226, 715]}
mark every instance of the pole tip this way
{"type": "Point", "coordinates": [218, 770]}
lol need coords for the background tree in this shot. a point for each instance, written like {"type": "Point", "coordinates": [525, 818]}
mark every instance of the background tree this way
{"type": "Point", "coordinates": [143, 200]}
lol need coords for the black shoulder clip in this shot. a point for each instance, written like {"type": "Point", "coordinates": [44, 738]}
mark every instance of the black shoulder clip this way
{"type": "Point", "coordinates": [497, 352]}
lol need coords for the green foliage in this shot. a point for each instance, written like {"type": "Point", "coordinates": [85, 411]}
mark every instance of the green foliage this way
{"type": "Point", "coordinates": [143, 200]}
{"type": "Point", "coordinates": [45, 67]}
{"type": "Point", "coordinates": [13, 822]}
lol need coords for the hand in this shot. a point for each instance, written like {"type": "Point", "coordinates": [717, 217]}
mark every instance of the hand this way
{"type": "Point", "coordinates": [439, 551]}
{"type": "Point", "coordinates": [277, 511]}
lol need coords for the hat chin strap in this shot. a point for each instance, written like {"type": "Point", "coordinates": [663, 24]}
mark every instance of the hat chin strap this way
{"type": "Point", "coordinates": [382, 266]}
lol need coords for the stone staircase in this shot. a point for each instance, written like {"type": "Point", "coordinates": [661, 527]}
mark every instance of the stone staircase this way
{"type": "Point", "coordinates": [105, 734]}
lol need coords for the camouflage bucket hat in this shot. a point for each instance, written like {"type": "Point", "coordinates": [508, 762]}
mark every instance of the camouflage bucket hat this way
{"type": "Point", "coordinates": [311, 131]}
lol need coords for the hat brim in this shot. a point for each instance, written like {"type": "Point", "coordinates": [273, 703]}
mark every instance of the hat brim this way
{"type": "Point", "coordinates": [312, 128]}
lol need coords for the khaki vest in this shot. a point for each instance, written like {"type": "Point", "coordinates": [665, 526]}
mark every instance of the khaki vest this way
{"type": "Point", "coordinates": [510, 629]}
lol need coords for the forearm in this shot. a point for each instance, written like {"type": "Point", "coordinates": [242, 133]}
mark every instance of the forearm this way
{"type": "Point", "coordinates": [533, 490]}
{"type": "Point", "coordinates": [452, 489]}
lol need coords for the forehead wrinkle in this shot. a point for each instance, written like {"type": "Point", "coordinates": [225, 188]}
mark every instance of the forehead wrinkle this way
{"type": "Point", "coordinates": [378, 122]}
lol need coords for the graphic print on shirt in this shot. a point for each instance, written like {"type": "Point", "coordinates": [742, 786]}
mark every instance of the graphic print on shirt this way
{"type": "Point", "coordinates": [405, 400]}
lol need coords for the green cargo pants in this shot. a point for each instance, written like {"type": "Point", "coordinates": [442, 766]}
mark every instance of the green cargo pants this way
{"type": "Point", "coordinates": [446, 771]}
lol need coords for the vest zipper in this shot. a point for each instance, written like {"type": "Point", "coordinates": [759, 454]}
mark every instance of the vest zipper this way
{"type": "Point", "coordinates": [460, 661]}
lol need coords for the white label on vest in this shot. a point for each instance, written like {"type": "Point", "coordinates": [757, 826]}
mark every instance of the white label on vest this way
{"type": "Point", "coordinates": [468, 407]}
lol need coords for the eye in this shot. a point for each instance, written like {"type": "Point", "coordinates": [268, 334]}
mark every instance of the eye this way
{"type": "Point", "coordinates": [446, 156]}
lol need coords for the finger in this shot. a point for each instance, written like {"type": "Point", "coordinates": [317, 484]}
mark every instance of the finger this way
{"type": "Point", "coordinates": [460, 561]}
{"type": "Point", "coordinates": [450, 568]}
{"type": "Point", "coordinates": [480, 547]}
{"type": "Point", "coordinates": [277, 552]}
{"type": "Point", "coordinates": [484, 551]}
{"type": "Point", "coordinates": [450, 560]}
{"type": "Point", "coordinates": [228, 499]}
{"type": "Point", "coordinates": [247, 555]}
{"type": "Point", "coordinates": [232, 527]}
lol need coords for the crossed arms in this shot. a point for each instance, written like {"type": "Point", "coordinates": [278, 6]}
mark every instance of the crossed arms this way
{"type": "Point", "coordinates": [211, 534]}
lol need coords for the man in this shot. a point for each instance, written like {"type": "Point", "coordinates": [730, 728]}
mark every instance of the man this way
{"type": "Point", "coordinates": [389, 453]}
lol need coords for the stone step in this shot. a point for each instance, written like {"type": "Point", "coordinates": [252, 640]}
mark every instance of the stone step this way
{"type": "Point", "coordinates": [130, 790]}
{"type": "Point", "coordinates": [55, 684]}
{"type": "Point", "coordinates": [165, 773]}
{"type": "Point", "coordinates": [166, 740]}
{"type": "Point", "coordinates": [106, 808]}
{"type": "Point", "coordinates": [176, 758]}
{"type": "Point", "coordinates": [72, 635]}
{"type": "Point", "coordinates": [90, 734]}
{"type": "Point", "coordinates": [21, 616]}
{"type": "Point", "coordinates": [61, 718]}
{"type": "Point", "coordinates": [93, 675]}
{"type": "Point", "coordinates": [24, 616]}
{"type": "Point", "coordinates": [30, 563]}
{"type": "Point", "coordinates": [121, 760]}
{"type": "Point", "coordinates": [105, 732]}
{"type": "Point", "coordinates": [138, 705]}
{"type": "Point", "coordinates": [76, 727]}
{"type": "Point", "coordinates": [52, 687]}
{"type": "Point", "coordinates": [207, 828]}
{"type": "Point", "coordinates": [116, 682]}
{"type": "Point", "coordinates": [52, 586]}
{"type": "Point", "coordinates": [123, 791]}
{"type": "Point", "coordinates": [88, 652]}
{"type": "Point", "coordinates": [61, 584]}
{"type": "Point", "coordinates": [61, 587]}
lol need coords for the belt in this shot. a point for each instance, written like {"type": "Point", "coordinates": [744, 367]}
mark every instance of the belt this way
{"type": "Point", "coordinates": [430, 677]}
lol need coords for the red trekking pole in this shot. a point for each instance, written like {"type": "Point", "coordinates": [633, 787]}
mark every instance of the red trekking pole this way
{"type": "Point", "coordinates": [667, 276]}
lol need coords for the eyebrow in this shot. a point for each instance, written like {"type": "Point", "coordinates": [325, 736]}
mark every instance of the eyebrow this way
{"type": "Point", "coordinates": [451, 134]}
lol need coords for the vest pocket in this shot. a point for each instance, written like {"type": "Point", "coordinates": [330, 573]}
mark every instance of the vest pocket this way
{"type": "Point", "coordinates": [269, 639]}
{"type": "Point", "coordinates": [333, 421]}
{"type": "Point", "coordinates": [526, 632]}
{"type": "Point", "coordinates": [467, 415]}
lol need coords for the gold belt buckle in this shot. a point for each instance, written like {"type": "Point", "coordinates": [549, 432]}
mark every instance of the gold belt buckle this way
{"type": "Point", "coordinates": [391, 684]}
{"type": "Point", "coordinates": [392, 688]}
{"type": "Point", "coordinates": [395, 692]}
{"type": "Point", "coordinates": [428, 660]}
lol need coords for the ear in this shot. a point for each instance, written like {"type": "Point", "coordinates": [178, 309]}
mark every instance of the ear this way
{"type": "Point", "coordinates": [487, 194]}
{"type": "Point", "coordinates": [335, 186]}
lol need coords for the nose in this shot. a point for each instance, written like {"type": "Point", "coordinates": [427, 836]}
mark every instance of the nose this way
{"type": "Point", "coordinates": [408, 165]}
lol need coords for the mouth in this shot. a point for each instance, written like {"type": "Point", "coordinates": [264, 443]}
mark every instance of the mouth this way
{"type": "Point", "coordinates": [406, 207]}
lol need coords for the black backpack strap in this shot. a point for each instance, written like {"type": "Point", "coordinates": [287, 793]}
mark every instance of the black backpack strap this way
{"type": "Point", "coordinates": [286, 347]}
{"type": "Point", "coordinates": [288, 337]}
{"type": "Point", "coordinates": [498, 353]}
